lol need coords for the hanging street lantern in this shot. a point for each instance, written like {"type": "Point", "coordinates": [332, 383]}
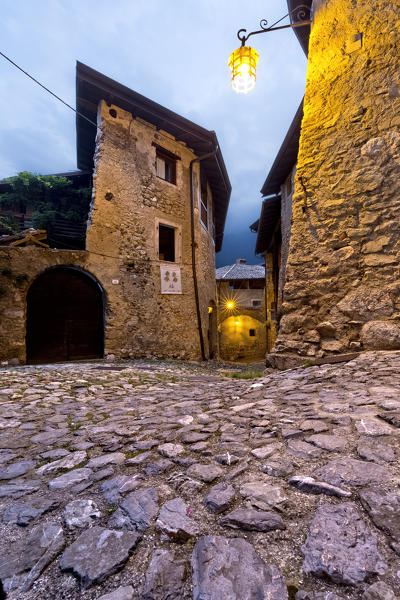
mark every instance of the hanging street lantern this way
{"type": "Point", "coordinates": [243, 61]}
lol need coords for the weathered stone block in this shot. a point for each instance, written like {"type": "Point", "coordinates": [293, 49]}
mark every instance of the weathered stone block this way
{"type": "Point", "coordinates": [381, 335]}
{"type": "Point", "coordinates": [364, 304]}
{"type": "Point", "coordinates": [340, 546]}
{"type": "Point", "coordinates": [230, 568]}
{"type": "Point", "coordinates": [326, 329]}
{"type": "Point", "coordinates": [376, 245]}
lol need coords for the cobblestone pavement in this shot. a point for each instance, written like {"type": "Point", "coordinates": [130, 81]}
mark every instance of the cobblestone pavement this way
{"type": "Point", "coordinates": [157, 480]}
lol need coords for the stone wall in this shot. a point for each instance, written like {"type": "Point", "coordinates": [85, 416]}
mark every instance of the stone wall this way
{"type": "Point", "coordinates": [286, 226]}
{"type": "Point", "coordinates": [126, 226]}
{"type": "Point", "coordinates": [129, 201]}
{"type": "Point", "coordinates": [342, 286]}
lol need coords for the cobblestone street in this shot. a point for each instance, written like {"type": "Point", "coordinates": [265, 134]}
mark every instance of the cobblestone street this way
{"type": "Point", "coordinates": [160, 480]}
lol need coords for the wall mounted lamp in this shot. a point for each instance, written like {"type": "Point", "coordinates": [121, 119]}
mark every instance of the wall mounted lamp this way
{"type": "Point", "coordinates": [243, 61]}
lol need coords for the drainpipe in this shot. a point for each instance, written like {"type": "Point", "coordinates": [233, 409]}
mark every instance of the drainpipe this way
{"type": "Point", "coordinates": [194, 271]}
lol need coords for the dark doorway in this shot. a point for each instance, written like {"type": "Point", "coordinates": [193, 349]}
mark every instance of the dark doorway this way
{"type": "Point", "coordinates": [212, 330]}
{"type": "Point", "coordinates": [64, 317]}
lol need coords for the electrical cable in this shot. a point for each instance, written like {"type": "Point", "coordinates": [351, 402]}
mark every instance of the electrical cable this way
{"type": "Point", "coordinates": [47, 90]}
{"type": "Point", "coordinates": [66, 103]}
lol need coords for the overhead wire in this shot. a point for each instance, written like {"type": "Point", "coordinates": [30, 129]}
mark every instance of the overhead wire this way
{"type": "Point", "coordinates": [47, 90]}
{"type": "Point", "coordinates": [76, 112]}
{"type": "Point", "coordinates": [66, 103]}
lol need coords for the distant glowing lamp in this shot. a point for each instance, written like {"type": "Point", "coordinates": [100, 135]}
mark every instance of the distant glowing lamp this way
{"type": "Point", "coordinates": [243, 62]}
{"type": "Point", "coordinates": [210, 309]}
{"type": "Point", "coordinates": [230, 305]}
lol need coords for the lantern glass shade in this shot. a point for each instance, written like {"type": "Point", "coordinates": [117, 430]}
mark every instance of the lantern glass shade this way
{"type": "Point", "coordinates": [243, 62]}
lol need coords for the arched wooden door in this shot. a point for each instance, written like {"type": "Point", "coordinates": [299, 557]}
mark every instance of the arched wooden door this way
{"type": "Point", "coordinates": [65, 317]}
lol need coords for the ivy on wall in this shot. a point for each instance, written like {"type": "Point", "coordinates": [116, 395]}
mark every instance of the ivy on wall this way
{"type": "Point", "coordinates": [46, 198]}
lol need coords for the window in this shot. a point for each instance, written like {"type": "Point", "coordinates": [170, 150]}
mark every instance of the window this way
{"type": "Point", "coordinates": [166, 243]}
{"type": "Point", "coordinates": [256, 303]}
{"type": "Point", "coordinates": [256, 284]}
{"type": "Point", "coordinates": [238, 284]}
{"type": "Point", "coordinates": [203, 202]}
{"type": "Point", "coordinates": [252, 332]}
{"type": "Point", "coordinates": [165, 166]}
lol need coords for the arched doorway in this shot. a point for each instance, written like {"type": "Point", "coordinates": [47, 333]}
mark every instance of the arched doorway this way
{"type": "Point", "coordinates": [242, 338]}
{"type": "Point", "coordinates": [65, 317]}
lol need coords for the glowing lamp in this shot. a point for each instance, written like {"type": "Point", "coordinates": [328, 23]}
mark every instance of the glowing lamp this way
{"type": "Point", "coordinates": [243, 62]}
{"type": "Point", "coordinates": [236, 322]}
{"type": "Point", "coordinates": [230, 304]}
{"type": "Point", "coordinates": [210, 309]}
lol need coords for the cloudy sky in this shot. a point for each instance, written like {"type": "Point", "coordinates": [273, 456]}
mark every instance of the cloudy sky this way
{"type": "Point", "coordinates": [172, 51]}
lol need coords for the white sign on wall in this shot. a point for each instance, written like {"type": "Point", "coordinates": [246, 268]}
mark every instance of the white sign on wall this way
{"type": "Point", "coordinates": [170, 279]}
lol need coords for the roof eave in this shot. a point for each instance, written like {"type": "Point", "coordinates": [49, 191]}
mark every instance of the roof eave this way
{"type": "Point", "coordinates": [286, 157]}
{"type": "Point", "coordinates": [302, 33]}
{"type": "Point", "coordinates": [269, 219]}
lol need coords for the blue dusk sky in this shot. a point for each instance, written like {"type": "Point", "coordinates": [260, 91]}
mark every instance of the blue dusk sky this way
{"type": "Point", "coordinates": [174, 52]}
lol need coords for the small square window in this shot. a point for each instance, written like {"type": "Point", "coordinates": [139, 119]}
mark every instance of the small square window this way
{"type": "Point", "coordinates": [237, 284]}
{"type": "Point", "coordinates": [252, 332]}
{"type": "Point", "coordinates": [166, 243]}
{"type": "Point", "coordinates": [256, 303]}
{"type": "Point", "coordinates": [165, 166]}
{"type": "Point", "coordinates": [256, 284]}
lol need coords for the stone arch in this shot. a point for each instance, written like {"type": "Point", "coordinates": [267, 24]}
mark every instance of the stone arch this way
{"type": "Point", "coordinates": [64, 316]}
{"type": "Point", "coordinates": [236, 343]}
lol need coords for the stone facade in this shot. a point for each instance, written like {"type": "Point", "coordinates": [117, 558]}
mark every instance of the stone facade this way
{"type": "Point", "coordinates": [122, 248]}
{"type": "Point", "coordinates": [342, 278]}
{"type": "Point", "coordinates": [276, 257]}
{"type": "Point", "coordinates": [286, 228]}
{"type": "Point", "coordinates": [127, 227]}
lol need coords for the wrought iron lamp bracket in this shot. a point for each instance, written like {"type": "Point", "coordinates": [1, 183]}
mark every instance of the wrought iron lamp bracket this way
{"type": "Point", "coordinates": [299, 17]}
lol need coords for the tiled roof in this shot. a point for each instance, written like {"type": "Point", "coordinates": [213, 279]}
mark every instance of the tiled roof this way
{"type": "Point", "coordinates": [240, 271]}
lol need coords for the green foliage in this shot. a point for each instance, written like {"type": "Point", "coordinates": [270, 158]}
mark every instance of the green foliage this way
{"type": "Point", "coordinates": [245, 374]}
{"type": "Point", "coordinates": [308, 363]}
{"type": "Point", "coordinates": [48, 197]}
{"type": "Point", "coordinates": [7, 224]}
{"type": "Point", "coordinates": [292, 591]}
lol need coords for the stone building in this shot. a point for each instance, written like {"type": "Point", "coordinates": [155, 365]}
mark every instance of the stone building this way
{"type": "Point", "coordinates": [143, 284]}
{"type": "Point", "coordinates": [241, 311]}
{"type": "Point", "coordinates": [337, 287]}
{"type": "Point", "coordinates": [274, 225]}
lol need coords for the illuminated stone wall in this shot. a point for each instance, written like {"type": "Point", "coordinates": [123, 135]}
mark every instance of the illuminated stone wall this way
{"type": "Point", "coordinates": [234, 325]}
{"type": "Point", "coordinates": [122, 249]}
{"type": "Point", "coordinates": [342, 279]}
